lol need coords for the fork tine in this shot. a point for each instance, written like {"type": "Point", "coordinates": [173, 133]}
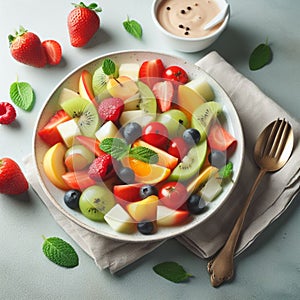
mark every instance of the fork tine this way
{"type": "Point", "coordinates": [270, 139]}
{"type": "Point", "coordinates": [277, 138]}
{"type": "Point", "coordinates": [283, 139]}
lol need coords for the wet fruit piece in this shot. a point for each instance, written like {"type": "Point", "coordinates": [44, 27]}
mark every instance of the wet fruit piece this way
{"type": "Point", "coordinates": [95, 202]}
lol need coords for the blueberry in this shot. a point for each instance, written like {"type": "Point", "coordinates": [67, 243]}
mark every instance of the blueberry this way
{"type": "Point", "coordinates": [126, 175]}
{"type": "Point", "coordinates": [145, 227]}
{"type": "Point", "coordinates": [217, 159]}
{"type": "Point", "coordinates": [148, 190]}
{"type": "Point", "coordinates": [196, 204]}
{"type": "Point", "coordinates": [191, 136]}
{"type": "Point", "coordinates": [71, 198]}
{"type": "Point", "coordinates": [131, 132]}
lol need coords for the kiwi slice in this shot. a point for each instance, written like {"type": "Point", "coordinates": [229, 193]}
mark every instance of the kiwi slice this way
{"type": "Point", "coordinates": [148, 100]}
{"type": "Point", "coordinates": [190, 164]}
{"type": "Point", "coordinates": [99, 81]}
{"type": "Point", "coordinates": [89, 121]}
{"type": "Point", "coordinates": [74, 107]}
{"type": "Point", "coordinates": [95, 201]}
{"type": "Point", "coordinates": [203, 116]}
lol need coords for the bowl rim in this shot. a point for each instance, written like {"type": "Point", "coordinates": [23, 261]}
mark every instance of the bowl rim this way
{"type": "Point", "coordinates": [115, 235]}
{"type": "Point", "coordinates": [155, 4]}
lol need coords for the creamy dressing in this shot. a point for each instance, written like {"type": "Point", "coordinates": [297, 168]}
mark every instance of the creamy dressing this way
{"type": "Point", "coordinates": [186, 18]}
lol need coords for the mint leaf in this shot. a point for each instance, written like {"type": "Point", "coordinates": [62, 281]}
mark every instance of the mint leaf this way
{"type": "Point", "coordinates": [260, 56]}
{"type": "Point", "coordinates": [133, 27]}
{"type": "Point", "coordinates": [226, 171]}
{"type": "Point", "coordinates": [21, 93]}
{"type": "Point", "coordinates": [108, 67]}
{"type": "Point", "coordinates": [171, 271]}
{"type": "Point", "coordinates": [144, 154]}
{"type": "Point", "coordinates": [60, 252]}
{"type": "Point", "coordinates": [116, 147]}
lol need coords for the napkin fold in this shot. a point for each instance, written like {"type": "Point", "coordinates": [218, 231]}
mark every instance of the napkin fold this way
{"type": "Point", "coordinates": [271, 199]}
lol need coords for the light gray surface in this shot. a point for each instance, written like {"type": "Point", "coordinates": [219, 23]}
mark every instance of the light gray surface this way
{"type": "Point", "coordinates": [269, 269]}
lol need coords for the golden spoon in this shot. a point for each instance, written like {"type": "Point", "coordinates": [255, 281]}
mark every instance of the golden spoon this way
{"type": "Point", "coordinates": [271, 152]}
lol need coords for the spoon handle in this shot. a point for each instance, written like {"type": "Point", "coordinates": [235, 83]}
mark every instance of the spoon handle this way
{"type": "Point", "coordinates": [221, 267]}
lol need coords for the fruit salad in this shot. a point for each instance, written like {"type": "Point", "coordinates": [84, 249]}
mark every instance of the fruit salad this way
{"type": "Point", "coordinates": [138, 146]}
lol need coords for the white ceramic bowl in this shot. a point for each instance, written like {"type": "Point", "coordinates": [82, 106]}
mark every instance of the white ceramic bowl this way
{"type": "Point", "coordinates": [186, 44]}
{"type": "Point", "coordinates": [51, 105]}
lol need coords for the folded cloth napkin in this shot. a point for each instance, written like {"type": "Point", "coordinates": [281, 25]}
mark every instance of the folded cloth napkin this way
{"type": "Point", "coordinates": [276, 192]}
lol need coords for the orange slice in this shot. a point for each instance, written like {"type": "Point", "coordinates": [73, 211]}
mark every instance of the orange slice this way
{"type": "Point", "coordinates": [147, 173]}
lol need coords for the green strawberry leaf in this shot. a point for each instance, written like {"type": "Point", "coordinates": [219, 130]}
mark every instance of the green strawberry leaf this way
{"type": "Point", "coordinates": [133, 27]}
{"type": "Point", "coordinates": [260, 56]}
{"type": "Point", "coordinates": [60, 252]}
{"type": "Point", "coordinates": [21, 93]}
{"type": "Point", "coordinates": [172, 271]}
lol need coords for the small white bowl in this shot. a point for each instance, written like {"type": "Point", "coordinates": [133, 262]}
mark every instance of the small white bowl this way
{"type": "Point", "coordinates": [189, 44]}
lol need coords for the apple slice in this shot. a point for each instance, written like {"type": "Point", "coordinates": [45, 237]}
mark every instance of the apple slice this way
{"type": "Point", "coordinates": [54, 167]}
{"type": "Point", "coordinates": [78, 157]}
{"type": "Point", "coordinates": [119, 220]}
{"type": "Point", "coordinates": [188, 100]}
{"type": "Point", "coordinates": [122, 87]}
{"type": "Point", "coordinates": [170, 217]}
{"type": "Point", "coordinates": [143, 210]}
{"type": "Point", "coordinates": [86, 87]}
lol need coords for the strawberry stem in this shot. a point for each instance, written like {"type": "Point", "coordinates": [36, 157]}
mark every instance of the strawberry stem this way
{"type": "Point", "coordinates": [93, 6]}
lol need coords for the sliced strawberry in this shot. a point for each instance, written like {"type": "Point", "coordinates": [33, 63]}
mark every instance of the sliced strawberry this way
{"type": "Point", "coordinates": [220, 139]}
{"type": "Point", "coordinates": [49, 132]}
{"type": "Point", "coordinates": [151, 71]}
{"type": "Point", "coordinates": [53, 51]}
{"type": "Point", "coordinates": [125, 193]}
{"type": "Point", "coordinates": [90, 143]}
{"type": "Point", "coordinates": [78, 180]}
{"type": "Point", "coordinates": [164, 92]}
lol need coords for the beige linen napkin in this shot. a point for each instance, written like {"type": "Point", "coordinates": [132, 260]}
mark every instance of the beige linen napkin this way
{"type": "Point", "coordinates": [271, 199]}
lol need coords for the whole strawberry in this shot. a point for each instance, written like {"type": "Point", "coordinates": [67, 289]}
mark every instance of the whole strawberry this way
{"type": "Point", "coordinates": [83, 23]}
{"type": "Point", "coordinates": [12, 179]}
{"type": "Point", "coordinates": [26, 47]}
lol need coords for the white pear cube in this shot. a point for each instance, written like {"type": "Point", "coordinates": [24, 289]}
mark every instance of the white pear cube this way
{"type": "Point", "coordinates": [107, 130]}
{"type": "Point", "coordinates": [130, 70]}
{"type": "Point", "coordinates": [138, 116]}
{"type": "Point", "coordinates": [202, 87]}
{"type": "Point", "coordinates": [68, 131]}
{"type": "Point", "coordinates": [119, 220]}
{"type": "Point", "coordinates": [211, 189]}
